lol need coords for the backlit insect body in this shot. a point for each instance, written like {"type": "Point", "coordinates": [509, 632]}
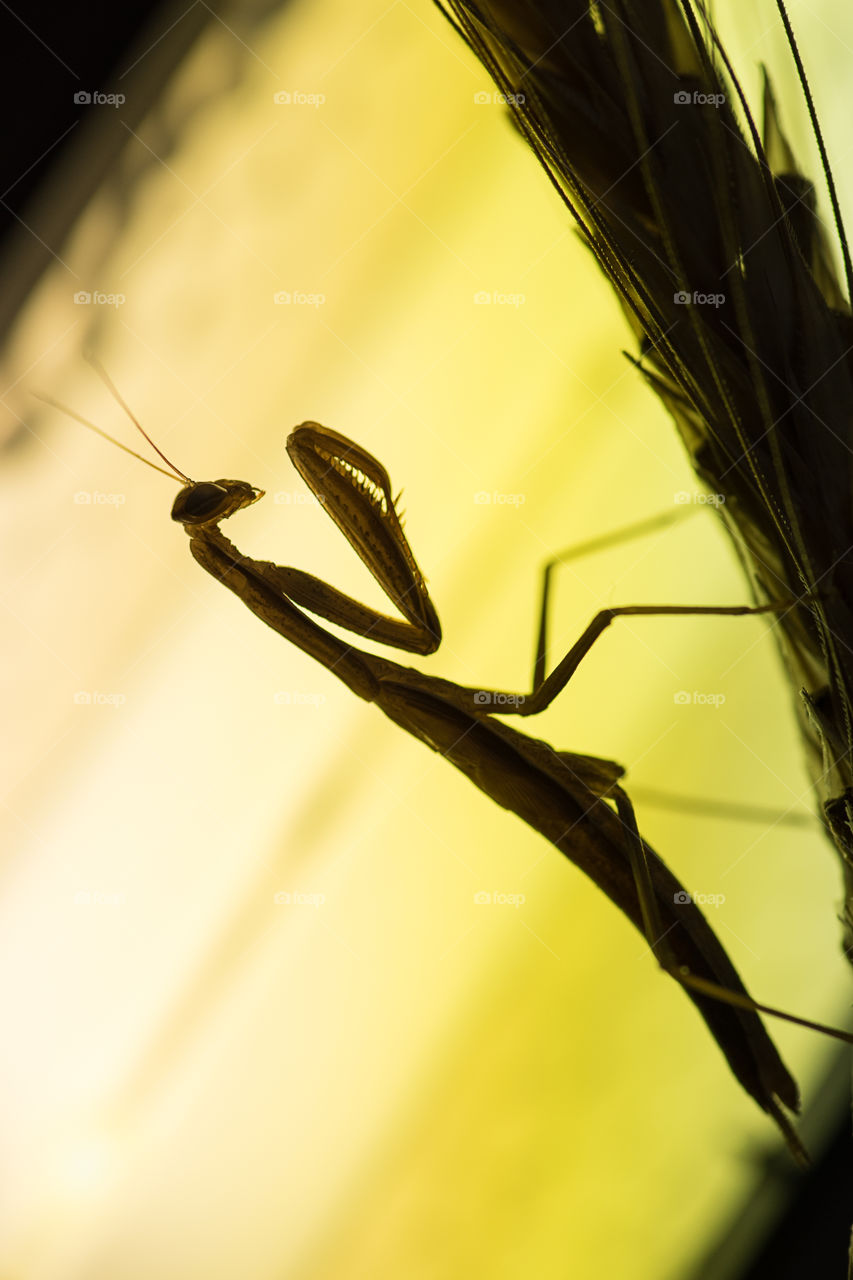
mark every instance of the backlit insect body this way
{"type": "Point", "coordinates": [575, 801]}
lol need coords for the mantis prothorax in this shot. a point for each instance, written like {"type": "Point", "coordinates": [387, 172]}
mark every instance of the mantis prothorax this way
{"type": "Point", "coordinates": [575, 801]}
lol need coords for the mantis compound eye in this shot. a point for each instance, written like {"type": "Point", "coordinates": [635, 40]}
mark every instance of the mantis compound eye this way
{"type": "Point", "coordinates": [208, 501]}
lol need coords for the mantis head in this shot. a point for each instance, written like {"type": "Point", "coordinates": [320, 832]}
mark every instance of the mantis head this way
{"type": "Point", "coordinates": [206, 502]}
{"type": "Point", "coordinates": [199, 503]}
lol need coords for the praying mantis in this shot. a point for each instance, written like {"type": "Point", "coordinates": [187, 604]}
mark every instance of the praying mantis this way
{"type": "Point", "coordinates": [575, 801]}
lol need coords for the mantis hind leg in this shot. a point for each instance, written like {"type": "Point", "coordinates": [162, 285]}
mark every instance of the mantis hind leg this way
{"type": "Point", "coordinates": [580, 550]}
{"type": "Point", "coordinates": [657, 935]}
{"type": "Point", "coordinates": [546, 687]}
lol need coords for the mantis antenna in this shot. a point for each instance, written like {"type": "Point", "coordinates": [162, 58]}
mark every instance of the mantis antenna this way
{"type": "Point", "coordinates": [174, 474]}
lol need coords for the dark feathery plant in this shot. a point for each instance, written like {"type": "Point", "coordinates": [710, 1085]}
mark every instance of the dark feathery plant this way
{"type": "Point", "coordinates": [710, 235]}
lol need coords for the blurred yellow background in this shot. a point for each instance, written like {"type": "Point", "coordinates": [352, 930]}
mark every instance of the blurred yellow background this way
{"type": "Point", "coordinates": [379, 1077]}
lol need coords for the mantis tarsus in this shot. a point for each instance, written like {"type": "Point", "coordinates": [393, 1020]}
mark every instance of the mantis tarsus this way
{"type": "Point", "coordinates": [575, 801]}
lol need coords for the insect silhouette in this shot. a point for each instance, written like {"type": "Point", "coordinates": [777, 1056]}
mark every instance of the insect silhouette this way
{"type": "Point", "coordinates": [711, 238]}
{"type": "Point", "coordinates": [575, 801]}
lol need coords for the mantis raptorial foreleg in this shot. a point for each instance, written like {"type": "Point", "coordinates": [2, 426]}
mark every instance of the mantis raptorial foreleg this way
{"type": "Point", "coordinates": [419, 632]}
{"type": "Point", "coordinates": [564, 796]}
{"type": "Point", "coordinates": [304, 589]}
{"type": "Point", "coordinates": [600, 777]}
